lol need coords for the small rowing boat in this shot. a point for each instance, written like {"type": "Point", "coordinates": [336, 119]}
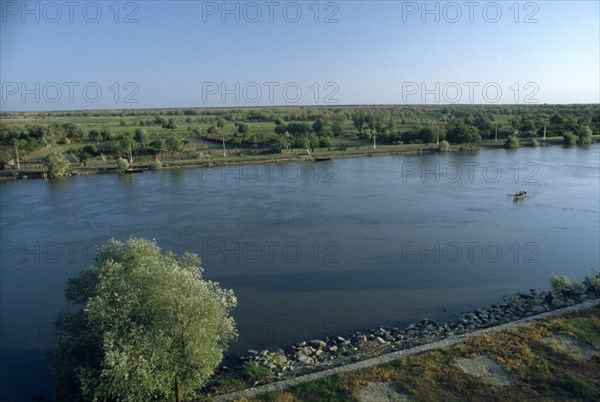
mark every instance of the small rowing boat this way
{"type": "Point", "coordinates": [520, 195]}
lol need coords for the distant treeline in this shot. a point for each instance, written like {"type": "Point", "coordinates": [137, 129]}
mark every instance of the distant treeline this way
{"type": "Point", "coordinates": [277, 128]}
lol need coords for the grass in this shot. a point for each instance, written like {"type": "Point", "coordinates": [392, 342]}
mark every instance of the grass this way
{"type": "Point", "coordinates": [538, 371]}
{"type": "Point", "coordinates": [122, 121]}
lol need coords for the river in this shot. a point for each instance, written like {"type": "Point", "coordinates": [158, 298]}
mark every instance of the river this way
{"type": "Point", "coordinates": [309, 249]}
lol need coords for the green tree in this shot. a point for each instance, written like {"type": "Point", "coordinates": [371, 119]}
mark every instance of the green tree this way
{"type": "Point", "coordinates": [141, 136]}
{"type": "Point", "coordinates": [585, 135]}
{"type": "Point", "coordinates": [72, 130]}
{"type": "Point", "coordinates": [94, 134]}
{"type": "Point", "coordinates": [569, 138]}
{"type": "Point", "coordinates": [243, 128]}
{"type": "Point", "coordinates": [444, 146]}
{"type": "Point", "coordinates": [106, 133]}
{"type": "Point", "coordinates": [125, 145]}
{"type": "Point", "coordinates": [427, 135]}
{"type": "Point", "coordinates": [325, 142]}
{"type": "Point", "coordinates": [57, 164]}
{"type": "Point", "coordinates": [143, 318]}
{"type": "Point", "coordinates": [174, 143]}
{"type": "Point", "coordinates": [462, 133]}
{"type": "Point", "coordinates": [170, 124]}
{"type": "Point", "coordinates": [122, 164]}
{"type": "Point", "coordinates": [156, 145]}
{"type": "Point", "coordinates": [359, 119]}
{"type": "Point", "coordinates": [318, 125]}
{"type": "Point", "coordinates": [512, 142]}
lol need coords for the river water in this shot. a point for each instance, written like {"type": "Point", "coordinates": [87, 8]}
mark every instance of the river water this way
{"type": "Point", "coordinates": [309, 249]}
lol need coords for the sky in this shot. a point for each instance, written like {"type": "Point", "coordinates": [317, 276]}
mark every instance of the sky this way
{"type": "Point", "coordinates": [161, 54]}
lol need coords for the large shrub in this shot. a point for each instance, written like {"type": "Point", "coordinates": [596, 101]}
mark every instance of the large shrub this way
{"type": "Point", "coordinates": [143, 318]}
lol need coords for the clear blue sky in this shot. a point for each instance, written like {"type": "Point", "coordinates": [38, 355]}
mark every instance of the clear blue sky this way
{"type": "Point", "coordinates": [176, 50]}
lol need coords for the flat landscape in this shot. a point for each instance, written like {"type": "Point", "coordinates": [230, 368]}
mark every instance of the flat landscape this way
{"type": "Point", "coordinates": [299, 201]}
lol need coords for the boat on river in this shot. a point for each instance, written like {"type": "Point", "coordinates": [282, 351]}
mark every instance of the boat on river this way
{"type": "Point", "coordinates": [520, 195]}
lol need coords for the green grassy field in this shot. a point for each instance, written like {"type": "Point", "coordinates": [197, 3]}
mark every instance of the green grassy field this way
{"type": "Point", "coordinates": [193, 125]}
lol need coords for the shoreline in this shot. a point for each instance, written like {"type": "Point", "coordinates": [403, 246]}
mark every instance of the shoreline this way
{"type": "Point", "coordinates": [273, 159]}
{"type": "Point", "coordinates": [283, 385]}
{"type": "Point", "coordinates": [311, 359]}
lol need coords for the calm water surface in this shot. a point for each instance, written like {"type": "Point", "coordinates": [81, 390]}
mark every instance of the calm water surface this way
{"type": "Point", "coordinates": [309, 249]}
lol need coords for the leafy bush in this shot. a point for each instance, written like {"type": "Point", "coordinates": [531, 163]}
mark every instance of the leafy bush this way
{"type": "Point", "coordinates": [444, 146]}
{"type": "Point", "coordinates": [143, 318]}
{"type": "Point", "coordinates": [535, 143]}
{"type": "Point", "coordinates": [561, 285]}
{"type": "Point", "coordinates": [592, 283]}
{"type": "Point", "coordinates": [156, 165]}
{"type": "Point", "coordinates": [254, 372]}
{"type": "Point", "coordinates": [57, 164]}
{"type": "Point", "coordinates": [585, 135]}
{"type": "Point", "coordinates": [564, 287]}
{"type": "Point", "coordinates": [515, 300]}
{"type": "Point", "coordinates": [569, 138]}
{"type": "Point", "coordinates": [122, 164]}
{"type": "Point", "coordinates": [512, 142]}
{"type": "Point", "coordinates": [577, 288]}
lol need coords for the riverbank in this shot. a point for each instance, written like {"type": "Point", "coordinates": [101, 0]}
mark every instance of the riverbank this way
{"type": "Point", "coordinates": [311, 357]}
{"type": "Point", "coordinates": [291, 157]}
{"type": "Point", "coordinates": [554, 355]}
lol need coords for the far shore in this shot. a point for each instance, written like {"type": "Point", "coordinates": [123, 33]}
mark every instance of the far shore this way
{"type": "Point", "coordinates": [285, 157]}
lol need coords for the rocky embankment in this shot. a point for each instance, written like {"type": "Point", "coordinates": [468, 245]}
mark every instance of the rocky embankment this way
{"type": "Point", "coordinates": [321, 354]}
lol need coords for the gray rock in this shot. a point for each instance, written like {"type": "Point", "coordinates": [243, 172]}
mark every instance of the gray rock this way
{"type": "Point", "coordinates": [279, 359]}
{"type": "Point", "coordinates": [333, 349]}
{"type": "Point", "coordinates": [252, 352]}
{"type": "Point", "coordinates": [305, 359]}
{"type": "Point", "coordinates": [380, 341]}
{"type": "Point", "coordinates": [317, 344]}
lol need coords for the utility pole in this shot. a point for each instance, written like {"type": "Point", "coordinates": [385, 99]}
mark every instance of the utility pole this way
{"type": "Point", "coordinates": [496, 135]}
{"type": "Point", "coordinates": [544, 131]}
{"type": "Point", "coordinates": [437, 131]}
{"type": "Point", "coordinates": [374, 142]}
{"type": "Point", "coordinates": [17, 156]}
{"type": "Point", "coordinates": [224, 153]}
{"type": "Point", "coordinates": [130, 154]}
